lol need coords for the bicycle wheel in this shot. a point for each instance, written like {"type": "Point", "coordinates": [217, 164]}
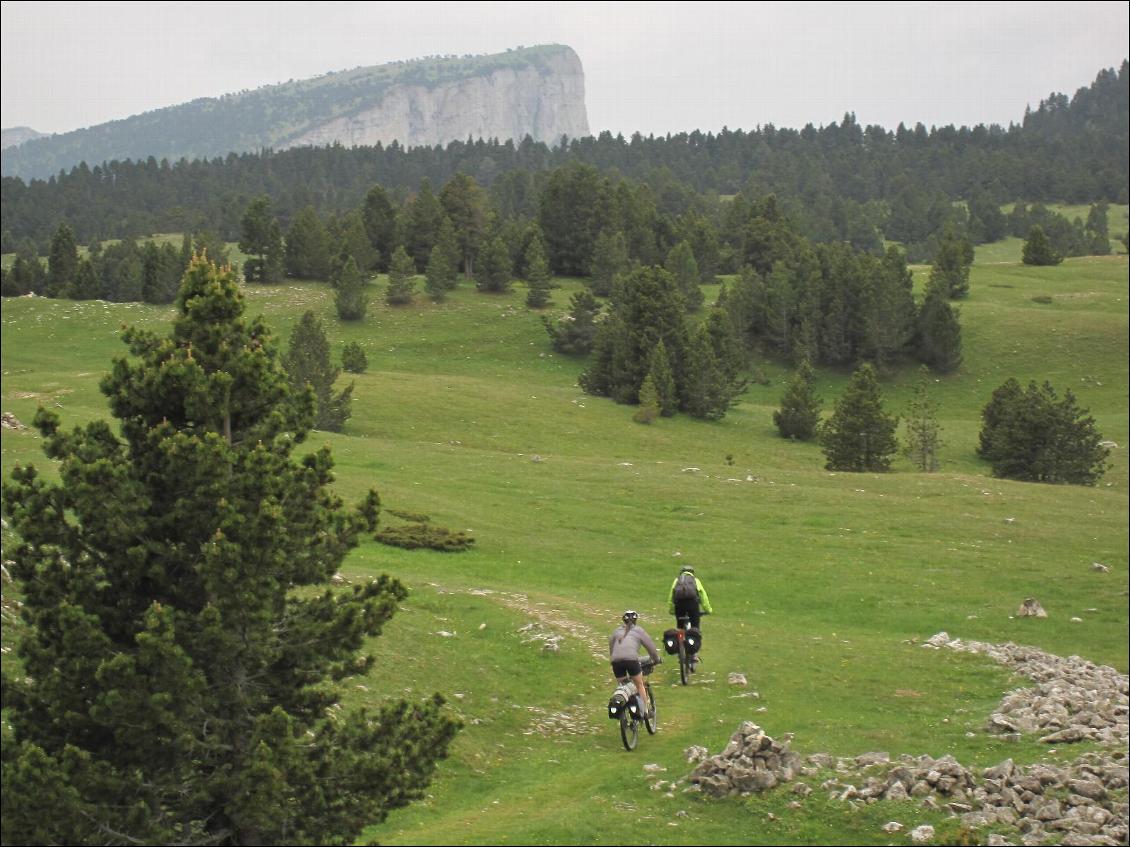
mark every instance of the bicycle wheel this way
{"type": "Point", "coordinates": [629, 731]}
{"type": "Point", "coordinates": [651, 721]}
{"type": "Point", "coordinates": [683, 660]}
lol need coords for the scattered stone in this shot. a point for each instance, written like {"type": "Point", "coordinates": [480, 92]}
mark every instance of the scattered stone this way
{"type": "Point", "coordinates": [1031, 608]}
{"type": "Point", "coordinates": [654, 768]}
{"type": "Point", "coordinates": [737, 679]}
{"type": "Point", "coordinates": [10, 421]}
{"type": "Point", "coordinates": [446, 634]}
{"type": "Point", "coordinates": [922, 834]}
{"type": "Point", "coordinates": [536, 458]}
{"type": "Point", "coordinates": [1100, 567]}
{"type": "Point", "coordinates": [892, 826]}
{"type": "Point", "coordinates": [695, 754]}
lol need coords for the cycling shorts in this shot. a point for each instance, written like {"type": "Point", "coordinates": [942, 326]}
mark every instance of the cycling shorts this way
{"type": "Point", "coordinates": [623, 669]}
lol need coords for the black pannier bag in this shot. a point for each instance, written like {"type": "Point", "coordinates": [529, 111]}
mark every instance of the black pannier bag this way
{"type": "Point", "coordinates": [671, 641]}
{"type": "Point", "coordinates": [694, 640]}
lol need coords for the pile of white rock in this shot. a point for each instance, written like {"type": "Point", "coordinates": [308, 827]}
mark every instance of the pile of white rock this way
{"type": "Point", "coordinates": [1073, 700]}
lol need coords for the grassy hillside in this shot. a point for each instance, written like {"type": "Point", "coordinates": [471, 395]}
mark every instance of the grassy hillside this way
{"type": "Point", "coordinates": [822, 582]}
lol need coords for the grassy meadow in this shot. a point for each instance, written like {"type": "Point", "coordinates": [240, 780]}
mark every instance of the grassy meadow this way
{"type": "Point", "coordinates": [823, 583]}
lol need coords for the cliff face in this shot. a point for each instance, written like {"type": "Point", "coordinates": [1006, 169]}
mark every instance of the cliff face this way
{"type": "Point", "coordinates": [536, 91]}
{"type": "Point", "coordinates": [545, 102]}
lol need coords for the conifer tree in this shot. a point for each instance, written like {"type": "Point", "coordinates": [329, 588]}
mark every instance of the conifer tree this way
{"type": "Point", "coordinates": [174, 686]}
{"type": "Point", "coordinates": [1097, 229]}
{"type": "Point", "coordinates": [575, 334]}
{"type": "Point", "coordinates": [537, 275]}
{"type": "Point", "coordinates": [438, 275]}
{"type": "Point", "coordinates": [659, 371]}
{"type": "Point", "coordinates": [353, 358]}
{"type": "Point", "coordinates": [448, 245]}
{"type": "Point", "coordinates": [401, 278]}
{"type": "Point", "coordinates": [494, 272]}
{"type": "Point", "coordinates": [1032, 435]}
{"type": "Point", "coordinates": [379, 219]}
{"type": "Point", "coordinates": [799, 415]}
{"type": "Point", "coordinates": [648, 410]}
{"type": "Point", "coordinates": [1038, 249]}
{"type": "Point", "coordinates": [262, 239]}
{"type": "Point", "coordinates": [86, 285]}
{"type": "Point", "coordinates": [923, 439]}
{"type": "Point", "coordinates": [62, 262]}
{"type": "Point", "coordinates": [609, 260]}
{"type": "Point", "coordinates": [307, 253]}
{"type": "Point", "coordinates": [952, 262]}
{"type": "Point", "coordinates": [682, 265]}
{"type": "Point", "coordinates": [859, 436]}
{"type": "Point", "coordinates": [706, 392]}
{"type": "Point", "coordinates": [939, 331]}
{"type": "Point", "coordinates": [308, 368]}
{"type": "Point", "coordinates": [350, 298]}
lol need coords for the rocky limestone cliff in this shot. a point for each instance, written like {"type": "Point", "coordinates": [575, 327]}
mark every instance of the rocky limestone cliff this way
{"type": "Point", "coordinates": [536, 91]}
{"type": "Point", "coordinates": [543, 102]}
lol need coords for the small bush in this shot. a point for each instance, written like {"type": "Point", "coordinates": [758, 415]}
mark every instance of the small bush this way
{"type": "Point", "coordinates": [413, 536]}
{"type": "Point", "coordinates": [353, 358]}
{"type": "Point", "coordinates": [411, 517]}
{"type": "Point", "coordinates": [1042, 298]}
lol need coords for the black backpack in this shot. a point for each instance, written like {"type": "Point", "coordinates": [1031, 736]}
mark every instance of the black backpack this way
{"type": "Point", "coordinates": [685, 588]}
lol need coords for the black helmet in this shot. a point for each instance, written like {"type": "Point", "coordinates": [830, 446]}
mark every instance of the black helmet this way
{"type": "Point", "coordinates": [631, 616]}
{"type": "Point", "coordinates": [688, 568]}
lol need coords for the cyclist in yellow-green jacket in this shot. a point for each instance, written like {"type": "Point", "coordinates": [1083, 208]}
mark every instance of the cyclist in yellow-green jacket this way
{"type": "Point", "coordinates": [688, 598]}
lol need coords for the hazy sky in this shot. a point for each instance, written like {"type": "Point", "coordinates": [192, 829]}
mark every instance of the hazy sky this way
{"type": "Point", "coordinates": [654, 67]}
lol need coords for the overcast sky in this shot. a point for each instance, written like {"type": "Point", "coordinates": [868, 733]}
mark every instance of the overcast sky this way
{"type": "Point", "coordinates": [653, 67]}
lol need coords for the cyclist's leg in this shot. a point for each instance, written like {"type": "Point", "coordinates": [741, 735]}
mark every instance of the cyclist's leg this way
{"type": "Point", "coordinates": [641, 690]}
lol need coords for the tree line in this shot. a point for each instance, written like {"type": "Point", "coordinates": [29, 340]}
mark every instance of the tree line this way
{"type": "Point", "coordinates": [841, 182]}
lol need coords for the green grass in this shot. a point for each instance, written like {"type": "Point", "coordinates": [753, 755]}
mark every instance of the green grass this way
{"type": "Point", "coordinates": [822, 582]}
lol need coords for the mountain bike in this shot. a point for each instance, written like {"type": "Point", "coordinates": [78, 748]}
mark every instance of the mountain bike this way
{"type": "Point", "coordinates": [686, 653]}
{"type": "Point", "coordinates": [628, 712]}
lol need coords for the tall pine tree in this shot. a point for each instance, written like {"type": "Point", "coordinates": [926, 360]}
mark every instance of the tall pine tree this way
{"type": "Point", "coordinates": [175, 687]}
{"type": "Point", "coordinates": [859, 436]}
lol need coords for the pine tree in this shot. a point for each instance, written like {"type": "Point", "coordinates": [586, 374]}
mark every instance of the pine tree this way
{"type": "Point", "coordinates": [86, 285]}
{"type": "Point", "coordinates": [379, 219]}
{"type": "Point", "coordinates": [439, 274]}
{"type": "Point", "coordinates": [682, 265]}
{"type": "Point", "coordinates": [1038, 249]}
{"type": "Point", "coordinates": [705, 393]}
{"type": "Point", "coordinates": [648, 410]}
{"type": "Point", "coordinates": [62, 262]}
{"type": "Point", "coordinates": [923, 439]}
{"type": "Point", "coordinates": [1033, 436]}
{"type": "Point", "coordinates": [859, 436]}
{"type": "Point", "coordinates": [1097, 229]}
{"type": "Point", "coordinates": [494, 272]}
{"type": "Point", "coordinates": [350, 298]}
{"type": "Point", "coordinates": [307, 253]}
{"type": "Point", "coordinates": [575, 334]}
{"type": "Point", "coordinates": [939, 331]}
{"type": "Point", "coordinates": [308, 367]}
{"type": "Point", "coordinates": [799, 415]}
{"type": "Point", "coordinates": [609, 260]}
{"type": "Point", "coordinates": [353, 358]}
{"type": "Point", "coordinates": [952, 262]}
{"type": "Point", "coordinates": [537, 275]}
{"type": "Point", "coordinates": [448, 245]}
{"type": "Point", "coordinates": [401, 278]}
{"type": "Point", "coordinates": [659, 371]}
{"type": "Point", "coordinates": [174, 686]}
{"type": "Point", "coordinates": [647, 309]}
{"type": "Point", "coordinates": [262, 239]}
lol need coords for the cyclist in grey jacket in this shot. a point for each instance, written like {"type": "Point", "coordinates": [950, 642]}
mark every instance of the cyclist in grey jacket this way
{"type": "Point", "coordinates": [624, 650]}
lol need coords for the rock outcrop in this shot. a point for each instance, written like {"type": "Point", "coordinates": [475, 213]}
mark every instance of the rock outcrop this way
{"type": "Point", "coordinates": [536, 91]}
{"type": "Point", "coordinates": [544, 101]}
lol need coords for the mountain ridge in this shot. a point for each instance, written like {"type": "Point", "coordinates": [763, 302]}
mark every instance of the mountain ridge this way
{"type": "Point", "coordinates": [536, 91]}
